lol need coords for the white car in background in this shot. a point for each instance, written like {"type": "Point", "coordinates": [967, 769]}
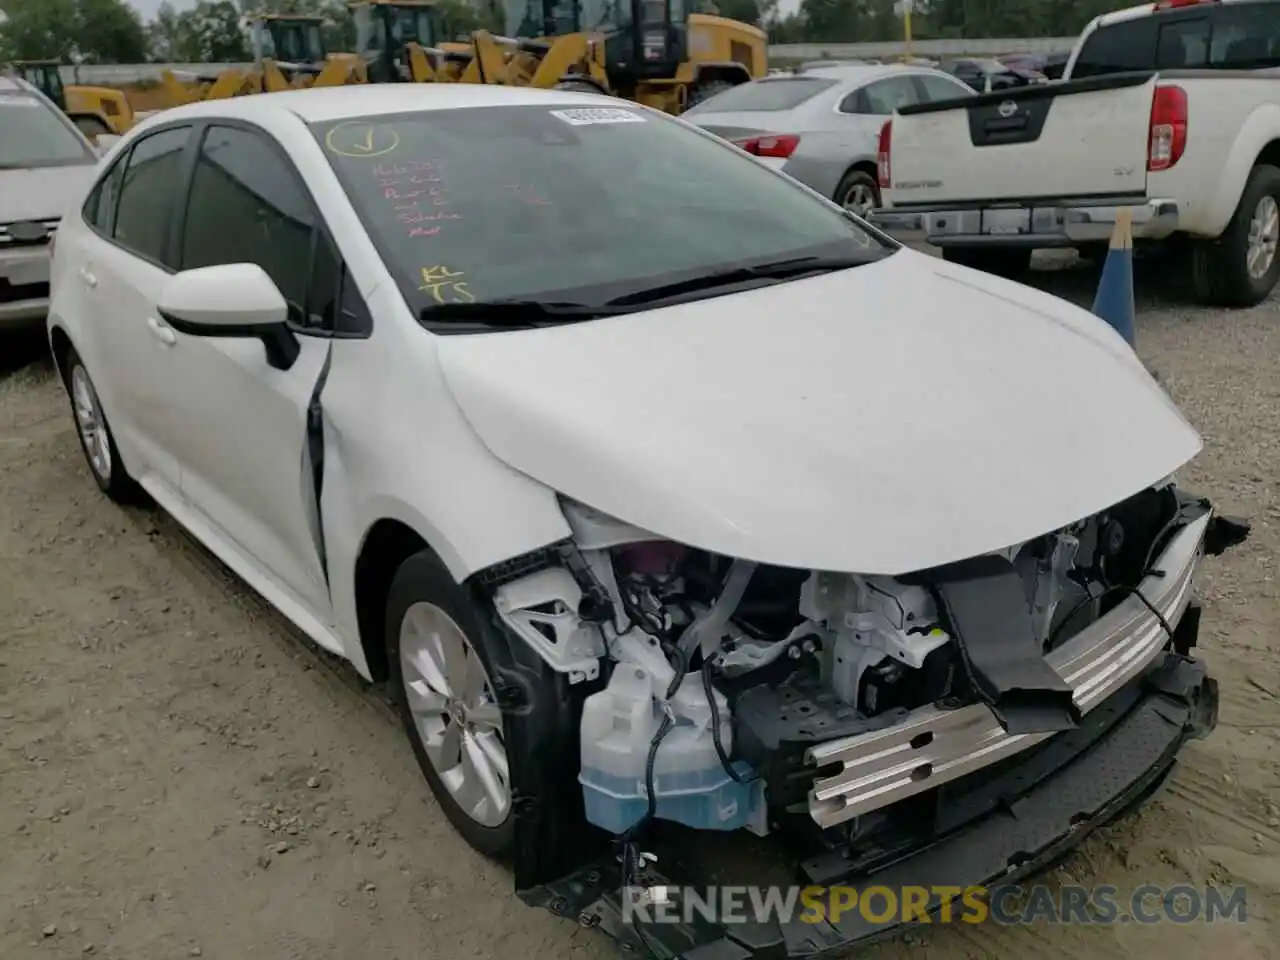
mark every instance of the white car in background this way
{"type": "Point", "coordinates": [44, 162]}
{"type": "Point", "coordinates": [822, 126]}
{"type": "Point", "coordinates": [654, 506]}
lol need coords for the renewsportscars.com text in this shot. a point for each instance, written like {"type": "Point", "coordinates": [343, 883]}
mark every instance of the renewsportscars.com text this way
{"type": "Point", "coordinates": [1008, 905]}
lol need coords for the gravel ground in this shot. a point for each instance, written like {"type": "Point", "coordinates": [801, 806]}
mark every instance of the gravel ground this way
{"type": "Point", "coordinates": [183, 776]}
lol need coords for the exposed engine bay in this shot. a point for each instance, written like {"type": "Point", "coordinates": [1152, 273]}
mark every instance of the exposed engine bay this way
{"type": "Point", "coordinates": [725, 691]}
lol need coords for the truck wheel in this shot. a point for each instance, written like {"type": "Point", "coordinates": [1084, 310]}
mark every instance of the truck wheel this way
{"type": "Point", "coordinates": [442, 655]}
{"type": "Point", "coordinates": [1241, 267]}
{"type": "Point", "coordinates": [91, 127]}
{"type": "Point", "coordinates": [705, 90]}
{"type": "Point", "coordinates": [997, 261]}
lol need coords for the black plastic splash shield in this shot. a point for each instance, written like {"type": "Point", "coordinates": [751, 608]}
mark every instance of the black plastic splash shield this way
{"type": "Point", "coordinates": [1018, 821]}
{"type": "Point", "coordinates": [985, 604]}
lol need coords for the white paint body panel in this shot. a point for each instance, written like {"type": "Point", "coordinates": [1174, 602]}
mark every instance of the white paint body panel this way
{"type": "Point", "coordinates": [882, 419]}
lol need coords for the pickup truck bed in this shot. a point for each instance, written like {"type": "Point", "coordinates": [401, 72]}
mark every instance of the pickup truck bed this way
{"type": "Point", "coordinates": [1045, 166]}
{"type": "Point", "coordinates": [1188, 152]}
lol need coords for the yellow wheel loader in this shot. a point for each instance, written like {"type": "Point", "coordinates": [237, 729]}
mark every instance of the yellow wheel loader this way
{"type": "Point", "coordinates": [660, 53]}
{"type": "Point", "coordinates": [405, 40]}
{"type": "Point", "coordinates": [95, 110]}
{"type": "Point", "coordinates": [288, 54]}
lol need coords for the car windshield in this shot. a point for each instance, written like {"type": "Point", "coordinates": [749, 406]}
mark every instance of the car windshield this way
{"type": "Point", "coordinates": [571, 204]}
{"type": "Point", "coordinates": [33, 135]}
{"type": "Point", "coordinates": [780, 93]}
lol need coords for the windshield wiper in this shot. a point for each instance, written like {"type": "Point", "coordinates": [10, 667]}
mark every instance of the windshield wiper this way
{"type": "Point", "coordinates": [516, 313]}
{"type": "Point", "coordinates": [775, 270]}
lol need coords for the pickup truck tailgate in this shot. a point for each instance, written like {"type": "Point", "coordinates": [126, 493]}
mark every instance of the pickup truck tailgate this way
{"type": "Point", "coordinates": [1084, 138]}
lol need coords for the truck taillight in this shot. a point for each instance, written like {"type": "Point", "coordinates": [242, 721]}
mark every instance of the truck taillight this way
{"type": "Point", "coordinates": [882, 155]}
{"type": "Point", "coordinates": [781, 145]}
{"type": "Point", "coordinates": [1167, 138]}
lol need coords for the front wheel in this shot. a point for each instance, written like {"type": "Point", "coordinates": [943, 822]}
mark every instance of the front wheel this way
{"type": "Point", "coordinates": [1241, 267]}
{"type": "Point", "coordinates": [442, 655]}
{"type": "Point", "coordinates": [994, 260]}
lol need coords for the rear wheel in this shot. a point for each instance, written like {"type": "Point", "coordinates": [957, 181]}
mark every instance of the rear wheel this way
{"type": "Point", "coordinates": [1241, 267]}
{"type": "Point", "coordinates": [96, 439]}
{"type": "Point", "coordinates": [858, 192]}
{"type": "Point", "coordinates": [1001, 262]}
{"type": "Point", "coordinates": [705, 90]}
{"type": "Point", "coordinates": [442, 654]}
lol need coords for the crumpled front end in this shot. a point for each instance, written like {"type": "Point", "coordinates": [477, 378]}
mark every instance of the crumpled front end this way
{"type": "Point", "coordinates": [955, 726]}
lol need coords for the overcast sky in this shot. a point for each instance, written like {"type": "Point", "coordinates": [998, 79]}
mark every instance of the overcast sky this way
{"type": "Point", "coordinates": [148, 7]}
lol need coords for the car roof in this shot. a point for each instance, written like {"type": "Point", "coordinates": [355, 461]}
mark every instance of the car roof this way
{"type": "Point", "coordinates": [13, 85]}
{"type": "Point", "coordinates": [857, 72]}
{"type": "Point", "coordinates": [363, 100]}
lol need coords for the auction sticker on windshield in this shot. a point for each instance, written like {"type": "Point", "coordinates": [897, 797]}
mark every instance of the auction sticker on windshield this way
{"type": "Point", "coordinates": [582, 116]}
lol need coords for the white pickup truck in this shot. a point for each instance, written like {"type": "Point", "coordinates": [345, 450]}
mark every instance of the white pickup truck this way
{"type": "Point", "coordinates": [1170, 109]}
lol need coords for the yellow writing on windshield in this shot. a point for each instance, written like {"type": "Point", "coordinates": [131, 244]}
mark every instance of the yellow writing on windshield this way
{"type": "Point", "coordinates": [446, 285]}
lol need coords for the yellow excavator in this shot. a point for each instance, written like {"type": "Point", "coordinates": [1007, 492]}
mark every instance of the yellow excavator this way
{"type": "Point", "coordinates": [95, 110]}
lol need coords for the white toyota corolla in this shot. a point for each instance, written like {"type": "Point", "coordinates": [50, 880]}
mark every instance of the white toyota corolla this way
{"type": "Point", "coordinates": [669, 498]}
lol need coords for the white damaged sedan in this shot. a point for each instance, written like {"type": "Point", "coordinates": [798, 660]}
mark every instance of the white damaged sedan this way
{"type": "Point", "coordinates": [670, 499]}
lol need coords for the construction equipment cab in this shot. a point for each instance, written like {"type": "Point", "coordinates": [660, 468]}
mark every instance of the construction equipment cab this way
{"type": "Point", "coordinates": [657, 52]}
{"type": "Point", "coordinates": [387, 33]}
{"type": "Point", "coordinates": [95, 110]}
{"type": "Point", "coordinates": [293, 41]}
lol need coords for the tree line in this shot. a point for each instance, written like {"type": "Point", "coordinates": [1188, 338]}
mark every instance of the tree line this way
{"type": "Point", "coordinates": [111, 31]}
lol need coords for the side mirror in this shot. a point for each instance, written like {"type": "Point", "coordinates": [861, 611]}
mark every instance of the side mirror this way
{"type": "Point", "coordinates": [231, 300]}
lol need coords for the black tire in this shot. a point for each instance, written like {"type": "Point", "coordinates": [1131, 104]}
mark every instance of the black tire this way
{"type": "Point", "coordinates": [850, 184]}
{"type": "Point", "coordinates": [424, 579]}
{"type": "Point", "coordinates": [1011, 262]}
{"type": "Point", "coordinates": [580, 86]}
{"type": "Point", "coordinates": [91, 127]}
{"type": "Point", "coordinates": [108, 471]}
{"type": "Point", "coordinates": [705, 90]}
{"type": "Point", "coordinates": [1094, 253]}
{"type": "Point", "coordinates": [1219, 268]}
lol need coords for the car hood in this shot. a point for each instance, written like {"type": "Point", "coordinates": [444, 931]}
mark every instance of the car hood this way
{"type": "Point", "coordinates": [882, 419]}
{"type": "Point", "coordinates": [41, 193]}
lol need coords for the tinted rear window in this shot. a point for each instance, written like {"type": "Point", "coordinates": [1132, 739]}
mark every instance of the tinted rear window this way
{"type": "Point", "coordinates": [1241, 36]}
{"type": "Point", "coordinates": [765, 95]}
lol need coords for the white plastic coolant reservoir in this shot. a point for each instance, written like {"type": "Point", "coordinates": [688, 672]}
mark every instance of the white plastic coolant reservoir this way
{"type": "Point", "coordinates": [618, 725]}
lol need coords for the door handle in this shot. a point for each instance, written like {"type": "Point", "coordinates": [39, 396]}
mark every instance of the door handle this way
{"type": "Point", "coordinates": [89, 279]}
{"type": "Point", "coordinates": [162, 333]}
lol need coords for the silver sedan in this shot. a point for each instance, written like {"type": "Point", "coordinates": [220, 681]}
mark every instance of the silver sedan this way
{"type": "Point", "coordinates": [822, 126]}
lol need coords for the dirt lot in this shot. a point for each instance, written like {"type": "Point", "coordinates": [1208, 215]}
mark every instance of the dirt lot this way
{"type": "Point", "coordinates": [182, 776]}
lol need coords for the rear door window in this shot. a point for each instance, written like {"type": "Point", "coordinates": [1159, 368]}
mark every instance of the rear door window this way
{"type": "Point", "coordinates": [1119, 48]}
{"type": "Point", "coordinates": [149, 192]}
{"type": "Point", "coordinates": [1237, 36]}
{"type": "Point", "coordinates": [937, 88]}
{"type": "Point", "coordinates": [785, 93]}
{"type": "Point", "coordinates": [882, 98]}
